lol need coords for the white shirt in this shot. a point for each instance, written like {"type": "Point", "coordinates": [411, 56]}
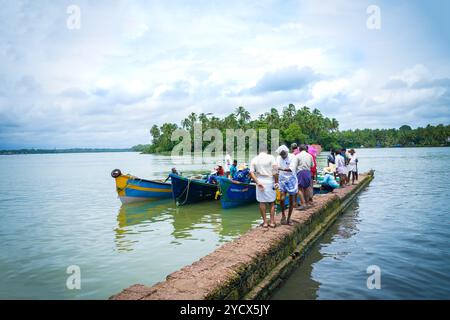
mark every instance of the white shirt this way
{"type": "Point", "coordinates": [305, 161]}
{"type": "Point", "coordinates": [290, 162]}
{"type": "Point", "coordinates": [263, 165]}
{"type": "Point", "coordinates": [227, 165]}
{"type": "Point", "coordinates": [353, 159]}
{"type": "Point", "coordinates": [340, 163]}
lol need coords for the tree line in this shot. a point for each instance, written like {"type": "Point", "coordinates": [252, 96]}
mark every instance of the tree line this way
{"type": "Point", "coordinates": [301, 125]}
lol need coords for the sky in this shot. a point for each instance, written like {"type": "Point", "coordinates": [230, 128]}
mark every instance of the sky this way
{"type": "Point", "coordinates": [133, 64]}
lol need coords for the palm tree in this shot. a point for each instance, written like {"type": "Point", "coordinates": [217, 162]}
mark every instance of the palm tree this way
{"type": "Point", "coordinates": [186, 124]}
{"type": "Point", "coordinates": [192, 118]}
{"type": "Point", "coordinates": [203, 118]}
{"type": "Point", "coordinates": [230, 121]}
{"type": "Point", "coordinates": [273, 118]}
{"type": "Point", "coordinates": [334, 125]}
{"type": "Point", "coordinates": [243, 115]}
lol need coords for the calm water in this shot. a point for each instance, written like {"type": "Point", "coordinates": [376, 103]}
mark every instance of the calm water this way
{"type": "Point", "coordinates": [400, 223]}
{"type": "Point", "coordinates": [62, 210]}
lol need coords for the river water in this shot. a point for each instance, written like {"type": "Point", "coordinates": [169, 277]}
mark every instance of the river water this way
{"type": "Point", "coordinates": [400, 224]}
{"type": "Point", "coordinates": [61, 210]}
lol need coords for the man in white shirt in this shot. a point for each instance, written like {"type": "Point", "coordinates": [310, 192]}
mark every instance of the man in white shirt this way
{"type": "Point", "coordinates": [227, 165]}
{"type": "Point", "coordinates": [287, 178]}
{"type": "Point", "coordinates": [305, 163]}
{"type": "Point", "coordinates": [263, 170]}
{"type": "Point", "coordinates": [341, 168]}
{"type": "Point", "coordinates": [353, 166]}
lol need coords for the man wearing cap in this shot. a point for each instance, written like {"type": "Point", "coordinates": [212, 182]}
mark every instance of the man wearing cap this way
{"type": "Point", "coordinates": [217, 172]}
{"type": "Point", "coordinates": [287, 178]}
{"type": "Point", "coordinates": [263, 170]}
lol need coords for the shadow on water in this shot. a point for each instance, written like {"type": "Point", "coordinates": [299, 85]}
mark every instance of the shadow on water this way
{"type": "Point", "coordinates": [133, 216]}
{"type": "Point", "coordinates": [136, 213]}
{"type": "Point", "coordinates": [209, 215]}
{"type": "Point", "coordinates": [301, 284]}
{"type": "Point", "coordinates": [181, 223]}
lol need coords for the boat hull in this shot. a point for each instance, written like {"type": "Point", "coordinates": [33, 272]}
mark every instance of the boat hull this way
{"type": "Point", "coordinates": [132, 189]}
{"type": "Point", "coordinates": [234, 194]}
{"type": "Point", "coordinates": [186, 191]}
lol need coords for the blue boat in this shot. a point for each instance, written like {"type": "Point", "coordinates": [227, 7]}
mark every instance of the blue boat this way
{"type": "Point", "coordinates": [133, 189]}
{"type": "Point", "coordinates": [186, 191]}
{"type": "Point", "coordinates": [234, 194]}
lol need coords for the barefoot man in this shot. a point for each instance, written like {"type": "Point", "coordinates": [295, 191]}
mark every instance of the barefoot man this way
{"type": "Point", "coordinates": [353, 166]}
{"type": "Point", "coordinates": [263, 170]}
{"type": "Point", "coordinates": [305, 163]}
{"type": "Point", "coordinates": [287, 176]}
{"type": "Point", "coordinates": [341, 168]}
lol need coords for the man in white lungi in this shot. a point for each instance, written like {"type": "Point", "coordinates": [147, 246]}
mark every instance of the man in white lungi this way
{"type": "Point", "coordinates": [287, 178]}
{"type": "Point", "coordinates": [263, 170]}
{"type": "Point", "coordinates": [341, 168]}
{"type": "Point", "coordinates": [353, 166]}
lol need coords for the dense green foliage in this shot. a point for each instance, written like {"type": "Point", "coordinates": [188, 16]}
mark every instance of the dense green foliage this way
{"type": "Point", "coordinates": [302, 126]}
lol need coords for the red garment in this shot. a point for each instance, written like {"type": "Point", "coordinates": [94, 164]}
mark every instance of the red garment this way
{"type": "Point", "coordinates": [314, 167]}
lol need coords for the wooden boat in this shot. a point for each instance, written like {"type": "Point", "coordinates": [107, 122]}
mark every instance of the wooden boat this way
{"type": "Point", "coordinates": [185, 190]}
{"type": "Point", "coordinates": [133, 189]}
{"type": "Point", "coordinates": [234, 194]}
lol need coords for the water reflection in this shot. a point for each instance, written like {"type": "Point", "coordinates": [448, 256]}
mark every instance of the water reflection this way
{"type": "Point", "coordinates": [174, 225]}
{"type": "Point", "coordinates": [302, 285]}
{"type": "Point", "coordinates": [133, 215]}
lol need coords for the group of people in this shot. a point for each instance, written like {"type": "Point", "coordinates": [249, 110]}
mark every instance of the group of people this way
{"type": "Point", "coordinates": [239, 173]}
{"type": "Point", "coordinates": [344, 164]}
{"type": "Point", "coordinates": [292, 173]}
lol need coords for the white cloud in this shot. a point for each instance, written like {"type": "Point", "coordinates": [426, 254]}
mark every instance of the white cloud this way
{"type": "Point", "coordinates": [147, 62]}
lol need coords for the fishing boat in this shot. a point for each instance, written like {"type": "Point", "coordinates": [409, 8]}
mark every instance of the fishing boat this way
{"type": "Point", "coordinates": [234, 194]}
{"type": "Point", "coordinates": [133, 189]}
{"type": "Point", "coordinates": [186, 190]}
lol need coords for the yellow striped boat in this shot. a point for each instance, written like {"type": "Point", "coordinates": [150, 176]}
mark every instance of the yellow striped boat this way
{"type": "Point", "coordinates": [133, 189]}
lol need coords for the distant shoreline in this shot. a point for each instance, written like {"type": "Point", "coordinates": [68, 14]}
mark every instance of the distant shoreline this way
{"type": "Point", "coordinates": [167, 153]}
{"type": "Point", "coordinates": [59, 151]}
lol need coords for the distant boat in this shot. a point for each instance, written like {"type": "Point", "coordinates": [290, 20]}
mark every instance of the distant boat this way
{"type": "Point", "coordinates": [133, 189]}
{"type": "Point", "coordinates": [186, 191]}
{"type": "Point", "coordinates": [234, 194]}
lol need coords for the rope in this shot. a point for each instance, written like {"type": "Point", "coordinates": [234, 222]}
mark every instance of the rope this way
{"type": "Point", "coordinates": [187, 193]}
